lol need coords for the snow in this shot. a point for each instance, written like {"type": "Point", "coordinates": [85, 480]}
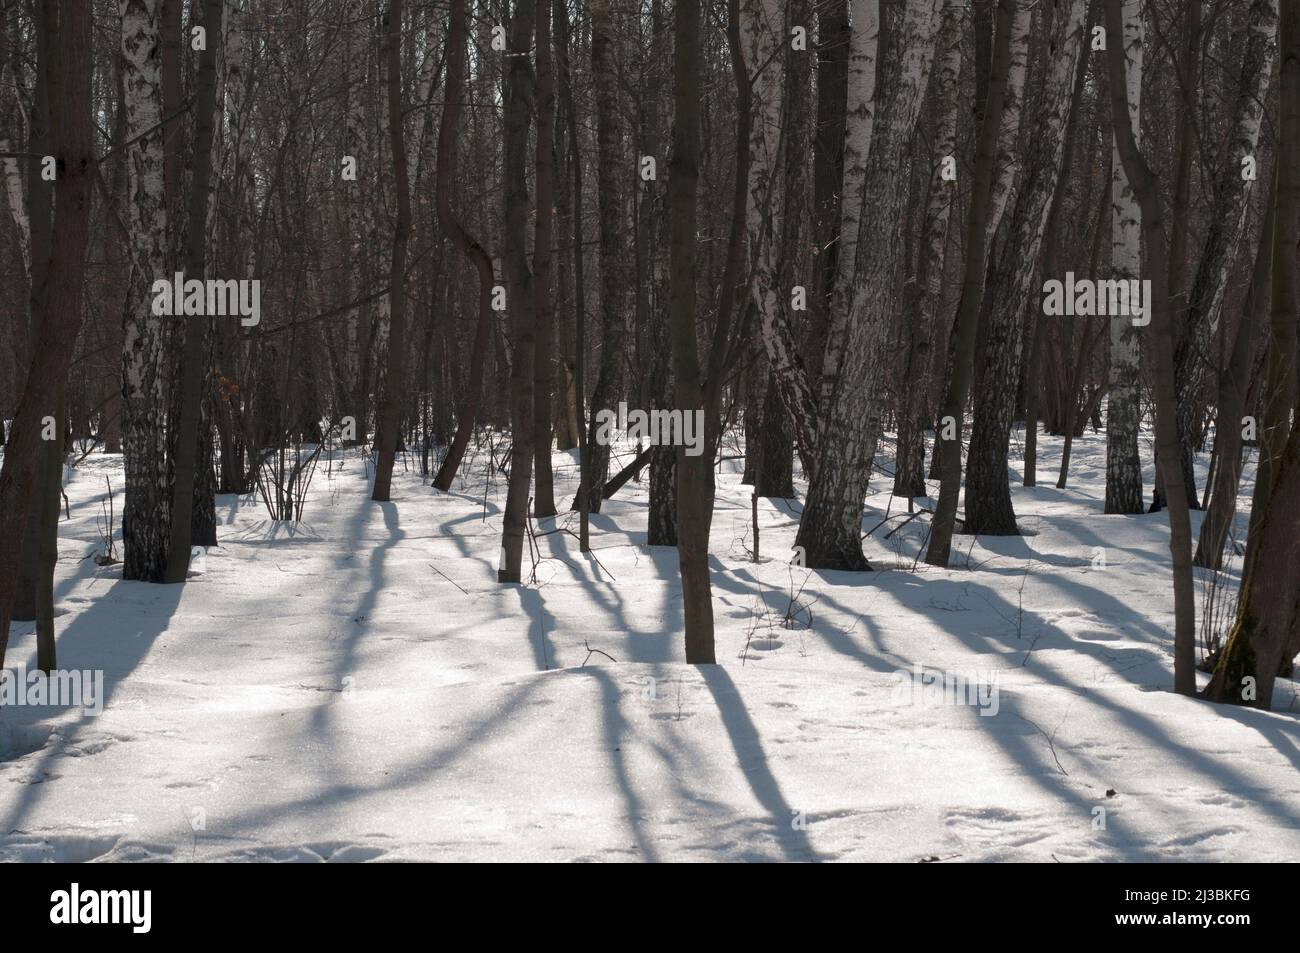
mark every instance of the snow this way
{"type": "Point", "coordinates": [361, 688]}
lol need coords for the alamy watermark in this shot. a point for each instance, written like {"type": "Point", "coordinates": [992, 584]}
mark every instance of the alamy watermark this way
{"type": "Point", "coordinates": [133, 908]}
{"type": "Point", "coordinates": [934, 688]}
{"type": "Point", "coordinates": [178, 296]}
{"type": "Point", "coordinates": [1124, 297]}
{"type": "Point", "coordinates": [70, 688]}
{"type": "Point", "coordinates": [659, 427]}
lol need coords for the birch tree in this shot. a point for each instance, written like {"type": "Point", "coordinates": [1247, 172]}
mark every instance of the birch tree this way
{"type": "Point", "coordinates": [1266, 631]}
{"type": "Point", "coordinates": [1123, 466]}
{"type": "Point", "coordinates": [853, 367]}
{"type": "Point", "coordinates": [519, 289]}
{"type": "Point", "coordinates": [1146, 192]}
{"type": "Point", "coordinates": [1009, 284]}
{"type": "Point", "coordinates": [923, 295]}
{"type": "Point", "coordinates": [145, 514]}
{"type": "Point", "coordinates": [1231, 188]}
{"type": "Point", "coordinates": [953, 409]}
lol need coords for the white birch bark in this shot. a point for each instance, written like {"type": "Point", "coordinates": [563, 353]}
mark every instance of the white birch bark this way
{"type": "Point", "coordinates": [12, 139]}
{"type": "Point", "coordinates": [859, 126]}
{"type": "Point", "coordinates": [1009, 291]}
{"type": "Point", "coordinates": [1123, 465]}
{"type": "Point", "coordinates": [1228, 214]}
{"type": "Point", "coordinates": [12, 190]}
{"type": "Point", "coordinates": [763, 33]}
{"type": "Point", "coordinates": [943, 193]}
{"type": "Point", "coordinates": [1008, 164]}
{"type": "Point", "coordinates": [144, 518]}
{"type": "Point", "coordinates": [850, 409]}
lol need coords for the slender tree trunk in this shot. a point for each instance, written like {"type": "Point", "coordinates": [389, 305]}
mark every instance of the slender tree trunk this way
{"type": "Point", "coordinates": [39, 215]}
{"type": "Point", "coordinates": [194, 329]}
{"type": "Point", "coordinates": [569, 184]}
{"type": "Point", "coordinates": [1146, 190]}
{"type": "Point", "coordinates": [1234, 382]}
{"type": "Point", "coordinates": [145, 511]}
{"type": "Point", "coordinates": [1051, 259]}
{"type": "Point", "coordinates": [661, 521]}
{"type": "Point", "coordinates": [762, 30]}
{"type": "Point", "coordinates": [834, 38]}
{"type": "Point", "coordinates": [388, 423]}
{"type": "Point", "coordinates": [1225, 224]}
{"type": "Point", "coordinates": [1123, 412]}
{"type": "Point", "coordinates": [73, 141]}
{"type": "Point", "coordinates": [615, 254]}
{"type": "Point", "coordinates": [694, 474]}
{"type": "Point", "coordinates": [923, 295]}
{"type": "Point", "coordinates": [1266, 632]}
{"type": "Point", "coordinates": [954, 405]}
{"type": "Point", "coordinates": [519, 291]}
{"type": "Point", "coordinates": [1008, 285]}
{"type": "Point", "coordinates": [457, 40]}
{"type": "Point", "coordinates": [1006, 165]}
{"type": "Point", "coordinates": [544, 266]}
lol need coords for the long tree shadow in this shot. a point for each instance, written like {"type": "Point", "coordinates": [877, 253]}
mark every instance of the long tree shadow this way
{"type": "Point", "coordinates": [113, 635]}
{"type": "Point", "coordinates": [1137, 723]}
{"type": "Point", "coordinates": [615, 728]}
{"type": "Point", "coordinates": [752, 760]}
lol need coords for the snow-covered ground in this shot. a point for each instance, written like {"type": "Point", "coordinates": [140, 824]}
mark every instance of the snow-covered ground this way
{"type": "Point", "coordinates": [361, 688]}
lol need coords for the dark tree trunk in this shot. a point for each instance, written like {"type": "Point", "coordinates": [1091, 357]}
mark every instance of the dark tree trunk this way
{"type": "Point", "coordinates": [194, 329]}
{"type": "Point", "coordinates": [694, 474]}
{"type": "Point", "coordinates": [40, 194]}
{"type": "Point", "coordinates": [953, 411]}
{"type": "Point", "coordinates": [1234, 381]}
{"type": "Point", "coordinates": [451, 227]}
{"type": "Point", "coordinates": [73, 141]}
{"type": "Point", "coordinates": [520, 302]}
{"type": "Point", "coordinates": [616, 284]}
{"type": "Point", "coordinates": [544, 267]}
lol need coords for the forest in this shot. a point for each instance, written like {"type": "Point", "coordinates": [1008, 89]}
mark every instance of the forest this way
{"type": "Point", "coordinates": [649, 429]}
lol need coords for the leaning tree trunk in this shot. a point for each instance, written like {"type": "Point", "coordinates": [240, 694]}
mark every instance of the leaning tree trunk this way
{"type": "Point", "coordinates": [1225, 223]}
{"type": "Point", "coordinates": [1009, 283]}
{"type": "Point", "coordinates": [1123, 465]}
{"type": "Point", "coordinates": [1234, 383]}
{"type": "Point", "coordinates": [1006, 166]}
{"type": "Point", "coordinates": [1266, 632]}
{"type": "Point", "coordinates": [1051, 258]}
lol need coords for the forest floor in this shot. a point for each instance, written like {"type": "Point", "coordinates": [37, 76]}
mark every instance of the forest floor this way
{"type": "Point", "coordinates": [360, 687]}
